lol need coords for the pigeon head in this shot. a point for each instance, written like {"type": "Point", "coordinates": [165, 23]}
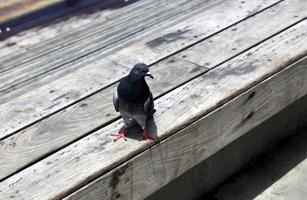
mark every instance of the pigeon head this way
{"type": "Point", "coordinates": [139, 71]}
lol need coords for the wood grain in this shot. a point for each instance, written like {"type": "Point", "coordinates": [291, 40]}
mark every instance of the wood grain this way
{"type": "Point", "coordinates": [53, 35]}
{"type": "Point", "coordinates": [100, 73]}
{"type": "Point", "coordinates": [107, 40]}
{"type": "Point", "coordinates": [96, 154]}
{"type": "Point", "coordinates": [252, 30]}
{"type": "Point", "coordinates": [99, 36]}
{"type": "Point", "coordinates": [191, 31]}
{"type": "Point", "coordinates": [149, 171]}
{"type": "Point", "coordinates": [75, 30]}
{"type": "Point", "coordinates": [30, 144]}
{"type": "Point", "coordinates": [68, 125]}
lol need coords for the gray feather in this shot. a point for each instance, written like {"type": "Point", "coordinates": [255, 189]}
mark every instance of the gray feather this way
{"type": "Point", "coordinates": [132, 112]}
{"type": "Point", "coordinates": [149, 106]}
{"type": "Point", "coordinates": [115, 101]}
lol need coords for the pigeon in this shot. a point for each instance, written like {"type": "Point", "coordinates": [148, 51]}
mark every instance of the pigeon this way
{"type": "Point", "coordinates": [134, 100]}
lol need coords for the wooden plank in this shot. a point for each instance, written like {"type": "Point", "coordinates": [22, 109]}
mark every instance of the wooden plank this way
{"type": "Point", "coordinates": [60, 129]}
{"type": "Point", "coordinates": [60, 35]}
{"type": "Point", "coordinates": [94, 155]}
{"type": "Point", "coordinates": [82, 121]}
{"type": "Point", "coordinates": [94, 32]}
{"type": "Point", "coordinates": [98, 74]}
{"type": "Point", "coordinates": [93, 24]}
{"type": "Point", "coordinates": [55, 34]}
{"type": "Point", "coordinates": [162, 163]}
{"type": "Point", "coordinates": [252, 30]}
{"type": "Point", "coordinates": [101, 43]}
{"type": "Point", "coordinates": [184, 34]}
{"type": "Point", "coordinates": [116, 20]}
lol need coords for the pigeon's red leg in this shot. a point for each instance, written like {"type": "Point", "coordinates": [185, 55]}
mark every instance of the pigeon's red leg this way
{"type": "Point", "coordinates": [146, 136]}
{"type": "Point", "coordinates": [121, 134]}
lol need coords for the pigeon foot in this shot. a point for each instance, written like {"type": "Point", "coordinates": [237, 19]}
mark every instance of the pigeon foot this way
{"type": "Point", "coordinates": [121, 134]}
{"type": "Point", "coordinates": [147, 137]}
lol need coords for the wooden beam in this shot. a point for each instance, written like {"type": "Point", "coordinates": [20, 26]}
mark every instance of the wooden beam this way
{"type": "Point", "coordinates": [95, 155]}
{"type": "Point", "coordinates": [144, 174]}
{"type": "Point", "coordinates": [62, 128]}
{"type": "Point", "coordinates": [39, 140]}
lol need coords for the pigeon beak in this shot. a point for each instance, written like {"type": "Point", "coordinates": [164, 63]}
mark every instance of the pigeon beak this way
{"type": "Point", "coordinates": [149, 74]}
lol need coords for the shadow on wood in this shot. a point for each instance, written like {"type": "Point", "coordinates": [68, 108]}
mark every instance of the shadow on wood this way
{"type": "Point", "coordinates": [135, 132]}
{"type": "Point", "coordinates": [241, 154]}
{"type": "Point", "coordinates": [44, 15]}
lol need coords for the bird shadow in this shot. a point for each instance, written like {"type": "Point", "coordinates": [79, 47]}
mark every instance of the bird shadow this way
{"type": "Point", "coordinates": [135, 131]}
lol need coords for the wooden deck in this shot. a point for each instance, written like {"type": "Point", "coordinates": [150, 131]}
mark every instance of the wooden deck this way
{"type": "Point", "coordinates": [220, 67]}
{"type": "Point", "coordinates": [18, 15]}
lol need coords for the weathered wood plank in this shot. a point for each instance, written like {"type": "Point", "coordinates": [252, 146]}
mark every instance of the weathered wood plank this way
{"type": "Point", "coordinates": [98, 74]}
{"type": "Point", "coordinates": [29, 144]}
{"type": "Point", "coordinates": [162, 163]}
{"type": "Point", "coordinates": [186, 33]}
{"type": "Point", "coordinates": [101, 31]}
{"type": "Point", "coordinates": [28, 79]}
{"type": "Point", "coordinates": [66, 126]}
{"type": "Point", "coordinates": [252, 30]}
{"type": "Point", "coordinates": [102, 43]}
{"type": "Point", "coordinates": [66, 32]}
{"type": "Point", "coordinates": [22, 46]}
{"type": "Point", "coordinates": [94, 155]}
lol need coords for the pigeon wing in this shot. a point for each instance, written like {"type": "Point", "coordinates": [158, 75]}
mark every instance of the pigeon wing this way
{"type": "Point", "coordinates": [149, 105]}
{"type": "Point", "coordinates": [115, 101]}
